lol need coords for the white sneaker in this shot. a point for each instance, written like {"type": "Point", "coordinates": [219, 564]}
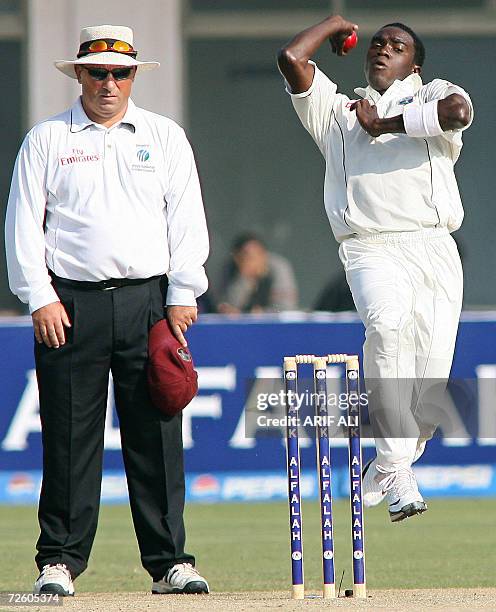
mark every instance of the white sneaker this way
{"type": "Point", "coordinates": [55, 579]}
{"type": "Point", "coordinates": [403, 496]}
{"type": "Point", "coordinates": [372, 491]}
{"type": "Point", "coordinates": [181, 578]}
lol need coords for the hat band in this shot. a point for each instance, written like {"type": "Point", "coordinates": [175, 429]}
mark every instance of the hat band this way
{"type": "Point", "coordinates": [106, 44]}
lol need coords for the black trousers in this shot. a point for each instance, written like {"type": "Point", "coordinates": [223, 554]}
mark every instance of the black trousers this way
{"type": "Point", "coordinates": [109, 333]}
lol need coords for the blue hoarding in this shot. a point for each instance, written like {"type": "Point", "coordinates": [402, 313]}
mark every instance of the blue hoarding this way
{"type": "Point", "coordinates": [235, 357]}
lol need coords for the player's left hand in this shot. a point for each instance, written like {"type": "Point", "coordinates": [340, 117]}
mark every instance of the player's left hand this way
{"type": "Point", "coordinates": [367, 117]}
{"type": "Point", "coordinates": [180, 318]}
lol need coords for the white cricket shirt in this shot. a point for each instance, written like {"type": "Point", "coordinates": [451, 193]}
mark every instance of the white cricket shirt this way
{"type": "Point", "coordinates": [91, 203]}
{"type": "Point", "coordinates": [392, 183]}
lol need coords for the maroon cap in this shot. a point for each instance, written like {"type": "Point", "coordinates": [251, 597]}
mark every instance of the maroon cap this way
{"type": "Point", "coordinates": [172, 379]}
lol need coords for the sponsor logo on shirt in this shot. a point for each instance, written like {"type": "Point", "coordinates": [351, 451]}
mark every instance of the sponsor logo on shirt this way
{"type": "Point", "coordinates": [407, 100]}
{"type": "Point", "coordinates": [78, 156]}
{"type": "Point", "coordinates": [143, 156]}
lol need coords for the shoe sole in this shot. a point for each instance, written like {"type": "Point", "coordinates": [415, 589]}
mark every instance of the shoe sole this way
{"type": "Point", "coordinates": [192, 588]}
{"type": "Point", "coordinates": [408, 511]}
{"type": "Point", "coordinates": [55, 589]}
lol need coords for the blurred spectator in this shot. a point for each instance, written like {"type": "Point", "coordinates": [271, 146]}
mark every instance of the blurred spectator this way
{"type": "Point", "coordinates": [257, 280]}
{"type": "Point", "coordinates": [10, 312]}
{"type": "Point", "coordinates": [336, 295]}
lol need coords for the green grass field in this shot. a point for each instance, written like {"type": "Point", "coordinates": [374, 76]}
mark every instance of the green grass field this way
{"type": "Point", "coordinates": [245, 547]}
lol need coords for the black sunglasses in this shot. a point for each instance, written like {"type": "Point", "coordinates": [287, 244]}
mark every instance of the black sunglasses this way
{"type": "Point", "coordinates": [100, 74]}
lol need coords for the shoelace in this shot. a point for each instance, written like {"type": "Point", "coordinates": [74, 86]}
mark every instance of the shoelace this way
{"type": "Point", "coordinates": [51, 571]}
{"type": "Point", "coordinates": [402, 481]}
{"type": "Point", "coordinates": [185, 568]}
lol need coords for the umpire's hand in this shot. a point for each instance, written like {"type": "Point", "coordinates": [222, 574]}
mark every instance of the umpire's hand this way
{"type": "Point", "coordinates": [49, 322]}
{"type": "Point", "coordinates": [180, 318]}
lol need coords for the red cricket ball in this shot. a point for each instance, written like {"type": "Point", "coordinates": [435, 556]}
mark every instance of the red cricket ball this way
{"type": "Point", "coordinates": [350, 42]}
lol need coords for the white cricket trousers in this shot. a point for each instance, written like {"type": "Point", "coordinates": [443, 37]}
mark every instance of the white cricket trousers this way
{"type": "Point", "coordinates": [407, 288]}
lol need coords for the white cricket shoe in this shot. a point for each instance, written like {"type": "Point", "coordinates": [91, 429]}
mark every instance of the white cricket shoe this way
{"type": "Point", "coordinates": [372, 490]}
{"type": "Point", "coordinates": [181, 578]}
{"type": "Point", "coordinates": [403, 496]}
{"type": "Point", "coordinates": [55, 579]}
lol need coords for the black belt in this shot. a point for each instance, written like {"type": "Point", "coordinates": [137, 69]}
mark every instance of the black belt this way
{"type": "Point", "coordinates": [104, 285]}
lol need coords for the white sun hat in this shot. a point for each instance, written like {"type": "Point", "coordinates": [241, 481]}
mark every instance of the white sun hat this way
{"type": "Point", "coordinates": [123, 55]}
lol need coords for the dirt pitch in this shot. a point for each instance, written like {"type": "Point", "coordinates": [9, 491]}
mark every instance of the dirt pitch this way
{"type": "Point", "coordinates": [393, 601]}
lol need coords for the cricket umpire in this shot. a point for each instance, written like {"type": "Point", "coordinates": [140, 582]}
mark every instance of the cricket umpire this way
{"type": "Point", "coordinates": [392, 200]}
{"type": "Point", "coordinates": [105, 227]}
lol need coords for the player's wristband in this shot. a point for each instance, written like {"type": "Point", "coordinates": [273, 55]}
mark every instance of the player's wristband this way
{"type": "Point", "coordinates": [422, 121]}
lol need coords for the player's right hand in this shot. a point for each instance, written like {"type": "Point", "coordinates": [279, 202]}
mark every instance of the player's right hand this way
{"type": "Point", "coordinates": [343, 29]}
{"type": "Point", "coordinates": [48, 324]}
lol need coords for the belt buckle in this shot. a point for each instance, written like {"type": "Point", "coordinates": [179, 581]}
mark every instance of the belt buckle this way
{"type": "Point", "coordinates": [110, 287]}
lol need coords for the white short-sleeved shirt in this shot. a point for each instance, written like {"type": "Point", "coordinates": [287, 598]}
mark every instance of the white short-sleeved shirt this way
{"type": "Point", "coordinates": [391, 183]}
{"type": "Point", "coordinates": [91, 203]}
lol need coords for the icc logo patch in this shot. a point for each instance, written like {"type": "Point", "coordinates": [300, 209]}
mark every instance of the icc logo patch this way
{"type": "Point", "coordinates": [143, 155]}
{"type": "Point", "coordinates": [296, 556]}
{"type": "Point", "coordinates": [142, 159]}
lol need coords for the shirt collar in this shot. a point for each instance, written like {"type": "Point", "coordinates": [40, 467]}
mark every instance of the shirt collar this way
{"type": "Point", "coordinates": [407, 87]}
{"type": "Point", "coordinates": [80, 120]}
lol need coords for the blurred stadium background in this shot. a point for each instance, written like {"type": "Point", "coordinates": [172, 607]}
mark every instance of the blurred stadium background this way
{"type": "Point", "coordinates": [219, 80]}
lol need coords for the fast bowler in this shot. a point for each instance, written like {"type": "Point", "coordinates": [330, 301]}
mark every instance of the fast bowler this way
{"type": "Point", "coordinates": [392, 201]}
